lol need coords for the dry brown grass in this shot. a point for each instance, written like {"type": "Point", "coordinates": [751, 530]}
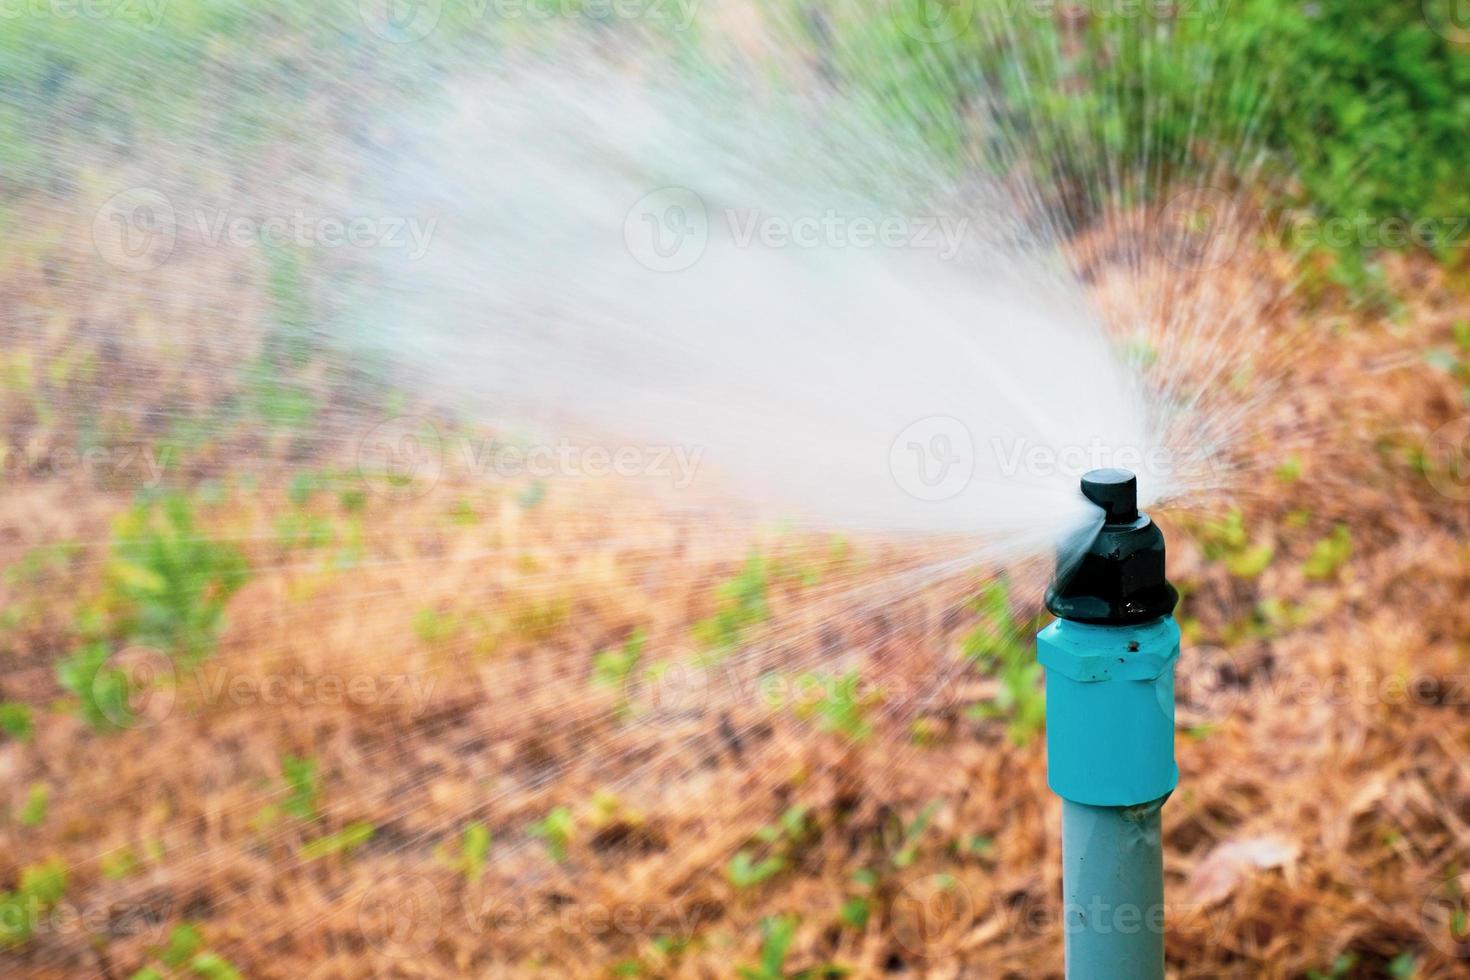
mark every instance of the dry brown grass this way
{"type": "Point", "coordinates": [1300, 741]}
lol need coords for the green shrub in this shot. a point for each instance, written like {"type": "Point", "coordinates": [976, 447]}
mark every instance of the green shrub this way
{"type": "Point", "coordinates": [171, 580]}
{"type": "Point", "coordinates": [1356, 108]}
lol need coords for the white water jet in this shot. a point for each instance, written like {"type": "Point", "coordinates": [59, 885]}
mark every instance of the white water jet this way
{"type": "Point", "coordinates": [825, 317]}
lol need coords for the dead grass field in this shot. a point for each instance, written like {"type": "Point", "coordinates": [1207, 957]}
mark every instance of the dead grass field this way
{"type": "Point", "coordinates": [1324, 806]}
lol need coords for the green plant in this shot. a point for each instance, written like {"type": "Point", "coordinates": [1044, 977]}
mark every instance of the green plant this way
{"type": "Point", "coordinates": [913, 834]}
{"type": "Point", "coordinates": [184, 955]}
{"type": "Point", "coordinates": [777, 934]}
{"type": "Point", "coordinates": [741, 604]}
{"type": "Point", "coordinates": [1329, 554]}
{"type": "Point", "coordinates": [302, 789]}
{"type": "Point", "coordinates": [556, 829]}
{"type": "Point", "coordinates": [1001, 645]}
{"type": "Point", "coordinates": [171, 581]}
{"type": "Point", "coordinates": [612, 668]}
{"type": "Point", "coordinates": [40, 889]}
{"type": "Point", "coordinates": [747, 871]}
{"type": "Point", "coordinates": [102, 690]}
{"type": "Point", "coordinates": [15, 721]}
{"type": "Point", "coordinates": [469, 857]}
{"type": "Point", "coordinates": [33, 812]}
{"type": "Point", "coordinates": [1340, 968]}
{"type": "Point", "coordinates": [1357, 108]}
{"type": "Point", "coordinates": [344, 841]}
{"type": "Point", "coordinates": [1226, 541]}
{"type": "Point", "coordinates": [781, 838]}
{"type": "Point", "coordinates": [842, 707]}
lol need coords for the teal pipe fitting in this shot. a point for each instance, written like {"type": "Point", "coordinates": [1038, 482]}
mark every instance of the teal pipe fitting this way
{"type": "Point", "coordinates": [1109, 659]}
{"type": "Point", "coordinates": [1110, 710]}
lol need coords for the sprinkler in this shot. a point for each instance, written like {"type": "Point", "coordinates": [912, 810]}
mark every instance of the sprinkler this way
{"type": "Point", "coordinates": [1109, 660]}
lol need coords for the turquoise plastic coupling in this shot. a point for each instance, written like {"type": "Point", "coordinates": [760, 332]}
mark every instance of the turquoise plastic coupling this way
{"type": "Point", "coordinates": [1110, 710]}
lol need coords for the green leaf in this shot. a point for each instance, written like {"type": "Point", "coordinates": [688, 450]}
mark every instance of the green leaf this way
{"type": "Point", "coordinates": [745, 871]}
{"type": "Point", "coordinates": [349, 838]}
{"type": "Point", "coordinates": [33, 813]}
{"type": "Point", "coordinates": [1329, 554]}
{"type": "Point", "coordinates": [183, 942]}
{"type": "Point", "coordinates": [15, 721]}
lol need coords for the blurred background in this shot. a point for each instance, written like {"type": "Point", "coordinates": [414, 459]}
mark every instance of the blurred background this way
{"type": "Point", "coordinates": [394, 587]}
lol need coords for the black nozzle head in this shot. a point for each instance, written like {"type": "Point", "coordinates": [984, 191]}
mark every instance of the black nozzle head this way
{"type": "Point", "coordinates": [1116, 578]}
{"type": "Point", "coordinates": [1115, 491]}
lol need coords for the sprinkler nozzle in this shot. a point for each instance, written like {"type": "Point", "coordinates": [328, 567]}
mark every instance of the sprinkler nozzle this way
{"type": "Point", "coordinates": [1115, 491]}
{"type": "Point", "coordinates": [1118, 579]}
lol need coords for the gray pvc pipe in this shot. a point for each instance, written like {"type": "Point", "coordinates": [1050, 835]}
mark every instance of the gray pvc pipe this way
{"type": "Point", "coordinates": [1113, 891]}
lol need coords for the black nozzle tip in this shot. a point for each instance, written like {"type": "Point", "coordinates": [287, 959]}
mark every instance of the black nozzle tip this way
{"type": "Point", "coordinates": [1115, 491]}
{"type": "Point", "coordinates": [1118, 577]}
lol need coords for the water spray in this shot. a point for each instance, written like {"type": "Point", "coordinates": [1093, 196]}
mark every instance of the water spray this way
{"type": "Point", "coordinates": [1109, 660]}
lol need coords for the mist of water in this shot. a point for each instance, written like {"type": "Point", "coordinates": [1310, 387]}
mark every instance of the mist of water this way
{"type": "Point", "coordinates": [825, 318]}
